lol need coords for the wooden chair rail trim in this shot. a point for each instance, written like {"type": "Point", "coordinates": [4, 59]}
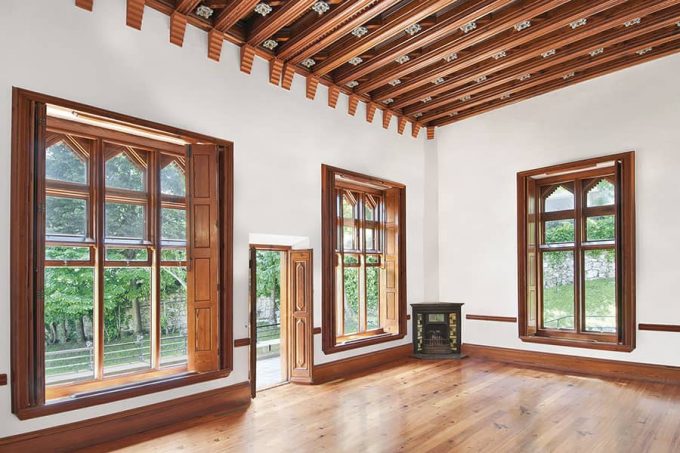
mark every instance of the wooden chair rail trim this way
{"type": "Point", "coordinates": [660, 327]}
{"type": "Point", "coordinates": [338, 369]}
{"type": "Point", "coordinates": [586, 366]}
{"type": "Point", "coordinates": [316, 331]}
{"type": "Point", "coordinates": [93, 431]}
{"type": "Point", "coordinates": [3, 379]}
{"type": "Point", "coordinates": [240, 342]}
{"type": "Point", "coordinates": [492, 318]}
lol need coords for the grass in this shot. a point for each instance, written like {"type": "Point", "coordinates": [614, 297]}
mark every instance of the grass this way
{"type": "Point", "coordinates": [558, 302]}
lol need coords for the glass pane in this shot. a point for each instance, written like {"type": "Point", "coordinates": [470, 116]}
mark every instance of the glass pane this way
{"type": "Point", "coordinates": [372, 297]}
{"type": "Point", "coordinates": [120, 254]}
{"type": "Point", "coordinates": [351, 277]}
{"type": "Point", "coordinates": [125, 221]}
{"type": "Point", "coordinates": [351, 259]}
{"type": "Point", "coordinates": [558, 290]}
{"type": "Point", "coordinates": [63, 164]}
{"type": "Point", "coordinates": [122, 173]}
{"type": "Point", "coordinates": [173, 255]}
{"type": "Point", "coordinates": [560, 199]}
{"type": "Point", "coordinates": [347, 208]}
{"type": "Point", "coordinates": [600, 290]}
{"type": "Point", "coordinates": [370, 239]}
{"type": "Point", "coordinates": [173, 224]}
{"type": "Point", "coordinates": [69, 302]}
{"type": "Point", "coordinates": [348, 238]}
{"type": "Point", "coordinates": [369, 212]}
{"type": "Point", "coordinates": [372, 259]}
{"type": "Point", "coordinates": [173, 315]}
{"type": "Point", "coordinates": [67, 253]}
{"type": "Point", "coordinates": [127, 319]}
{"type": "Point", "coordinates": [602, 194]}
{"type": "Point", "coordinates": [600, 228]}
{"type": "Point", "coordinates": [173, 180]}
{"type": "Point", "coordinates": [559, 231]}
{"type": "Point", "coordinates": [66, 217]}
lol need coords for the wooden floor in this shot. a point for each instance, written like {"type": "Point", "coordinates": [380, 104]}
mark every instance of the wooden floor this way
{"type": "Point", "coordinates": [444, 406]}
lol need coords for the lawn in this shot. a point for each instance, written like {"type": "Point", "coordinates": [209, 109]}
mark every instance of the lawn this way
{"type": "Point", "coordinates": [558, 305]}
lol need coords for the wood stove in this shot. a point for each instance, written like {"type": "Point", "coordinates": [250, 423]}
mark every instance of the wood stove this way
{"type": "Point", "coordinates": [436, 330]}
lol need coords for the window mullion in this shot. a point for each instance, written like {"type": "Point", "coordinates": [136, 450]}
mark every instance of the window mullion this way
{"type": "Point", "coordinates": [155, 230]}
{"type": "Point", "coordinates": [579, 234]}
{"type": "Point", "coordinates": [98, 205]}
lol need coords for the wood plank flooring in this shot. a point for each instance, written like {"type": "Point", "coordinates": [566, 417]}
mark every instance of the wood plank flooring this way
{"type": "Point", "coordinates": [438, 406]}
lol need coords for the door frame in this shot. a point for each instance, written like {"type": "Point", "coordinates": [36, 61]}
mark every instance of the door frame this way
{"type": "Point", "coordinates": [284, 308]}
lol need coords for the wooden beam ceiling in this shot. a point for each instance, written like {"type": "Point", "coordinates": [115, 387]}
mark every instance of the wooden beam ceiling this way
{"type": "Point", "coordinates": [428, 62]}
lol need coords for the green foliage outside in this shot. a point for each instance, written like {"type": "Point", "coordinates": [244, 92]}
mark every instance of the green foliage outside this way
{"type": "Point", "coordinates": [351, 282]}
{"type": "Point", "coordinates": [268, 288]}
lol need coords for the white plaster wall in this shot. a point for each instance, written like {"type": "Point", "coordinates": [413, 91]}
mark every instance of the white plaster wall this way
{"type": "Point", "coordinates": [635, 109]}
{"type": "Point", "coordinates": [281, 139]}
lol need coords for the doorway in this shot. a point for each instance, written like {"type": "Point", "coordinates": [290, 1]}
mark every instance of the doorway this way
{"type": "Point", "coordinates": [280, 316]}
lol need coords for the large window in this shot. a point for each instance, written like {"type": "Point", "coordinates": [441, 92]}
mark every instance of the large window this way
{"type": "Point", "coordinates": [364, 264]}
{"type": "Point", "coordinates": [576, 245]}
{"type": "Point", "coordinates": [120, 225]}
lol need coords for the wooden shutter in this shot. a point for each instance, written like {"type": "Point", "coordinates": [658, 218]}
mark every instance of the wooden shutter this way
{"type": "Point", "coordinates": [203, 270]}
{"type": "Point", "coordinates": [300, 329]}
{"type": "Point", "coordinates": [532, 259]}
{"type": "Point", "coordinates": [389, 278]}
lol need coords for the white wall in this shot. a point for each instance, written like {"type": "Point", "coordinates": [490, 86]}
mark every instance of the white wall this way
{"type": "Point", "coordinates": [281, 139]}
{"type": "Point", "coordinates": [636, 109]}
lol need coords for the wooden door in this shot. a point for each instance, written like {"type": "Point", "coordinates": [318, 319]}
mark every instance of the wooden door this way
{"type": "Point", "coordinates": [300, 336]}
{"type": "Point", "coordinates": [253, 321]}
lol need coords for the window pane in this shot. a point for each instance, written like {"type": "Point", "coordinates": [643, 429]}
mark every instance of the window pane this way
{"type": "Point", "coordinates": [372, 297]}
{"type": "Point", "coordinates": [559, 231]}
{"type": "Point", "coordinates": [600, 290]}
{"type": "Point", "coordinates": [559, 200]}
{"type": "Point", "coordinates": [127, 320]}
{"type": "Point", "coordinates": [125, 221]}
{"type": "Point", "coordinates": [600, 228]}
{"type": "Point", "coordinates": [558, 290]}
{"type": "Point", "coordinates": [370, 239]}
{"type": "Point", "coordinates": [173, 224]}
{"type": "Point", "coordinates": [372, 259]}
{"type": "Point", "coordinates": [347, 208]}
{"type": "Point", "coordinates": [173, 315]}
{"type": "Point", "coordinates": [121, 254]}
{"type": "Point", "coordinates": [122, 173]}
{"type": "Point", "coordinates": [63, 164]}
{"type": "Point", "coordinates": [67, 253]}
{"type": "Point", "coordinates": [602, 194]}
{"type": "Point", "coordinates": [348, 242]}
{"type": "Point", "coordinates": [369, 212]}
{"type": "Point", "coordinates": [351, 259]}
{"type": "Point", "coordinates": [173, 180]}
{"type": "Point", "coordinates": [66, 217]}
{"type": "Point", "coordinates": [173, 255]}
{"type": "Point", "coordinates": [351, 277]}
{"type": "Point", "coordinates": [69, 302]}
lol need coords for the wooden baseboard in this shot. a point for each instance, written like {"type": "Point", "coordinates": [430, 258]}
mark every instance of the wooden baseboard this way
{"type": "Point", "coordinates": [577, 365]}
{"type": "Point", "coordinates": [93, 431]}
{"type": "Point", "coordinates": [492, 318]}
{"type": "Point", "coordinates": [340, 368]}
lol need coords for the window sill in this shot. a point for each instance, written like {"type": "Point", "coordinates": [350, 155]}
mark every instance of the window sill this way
{"type": "Point", "coordinates": [361, 341]}
{"type": "Point", "coordinates": [575, 343]}
{"type": "Point", "coordinates": [111, 394]}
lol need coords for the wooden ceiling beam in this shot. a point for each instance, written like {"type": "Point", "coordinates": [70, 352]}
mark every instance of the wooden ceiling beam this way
{"type": "Point", "coordinates": [353, 103]}
{"type": "Point", "coordinates": [234, 11]}
{"type": "Point", "coordinates": [312, 84]}
{"type": "Point", "coordinates": [580, 49]}
{"type": "Point", "coordinates": [361, 19]}
{"type": "Point", "coordinates": [186, 6]}
{"type": "Point", "coordinates": [286, 14]}
{"type": "Point", "coordinates": [513, 15]}
{"type": "Point", "coordinates": [415, 128]}
{"type": "Point", "coordinates": [247, 58]}
{"type": "Point", "coordinates": [625, 54]}
{"type": "Point", "coordinates": [288, 74]}
{"type": "Point", "coordinates": [410, 14]}
{"type": "Point", "coordinates": [430, 132]}
{"type": "Point", "coordinates": [421, 86]}
{"type": "Point", "coordinates": [623, 63]}
{"type": "Point", "coordinates": [178, 26]}
{"type": "Point", "coordinates": [327, 23]}
{"type": "Point", "coordinates": [85, 4]}
{"type": "Point", "coordinates": [447, 24]}
{"type": "Point", "coordinates": [371, 107]}
{"type": "Point", "coordinates": [401, 124]}
{"type": "Point", "coordinates": [275, 71]}
{"type": "Point", "coordinates": [215, 40]}
{"type": "Point", "coordinates": [387, 116]}
{"type": "Point", "coordinates": [333, 95]}
{"type": "Point", "coordinates": [135, 13]}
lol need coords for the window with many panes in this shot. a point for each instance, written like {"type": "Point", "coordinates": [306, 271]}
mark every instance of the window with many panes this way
{"type": "Point", "coordinates": [576, 253]}
{"type": "Point", "coordinates": [126, 258]}
{"type": "Point", "coordinates": [363, 260]}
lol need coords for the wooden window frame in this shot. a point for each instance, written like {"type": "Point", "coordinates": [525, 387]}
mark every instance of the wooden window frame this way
{"type": "Point", "coordinates": [331, 341]}
{"type": "Point", "coordinates": [620, 169]}
{"type": "Point", "coordinates": [27, 369]}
